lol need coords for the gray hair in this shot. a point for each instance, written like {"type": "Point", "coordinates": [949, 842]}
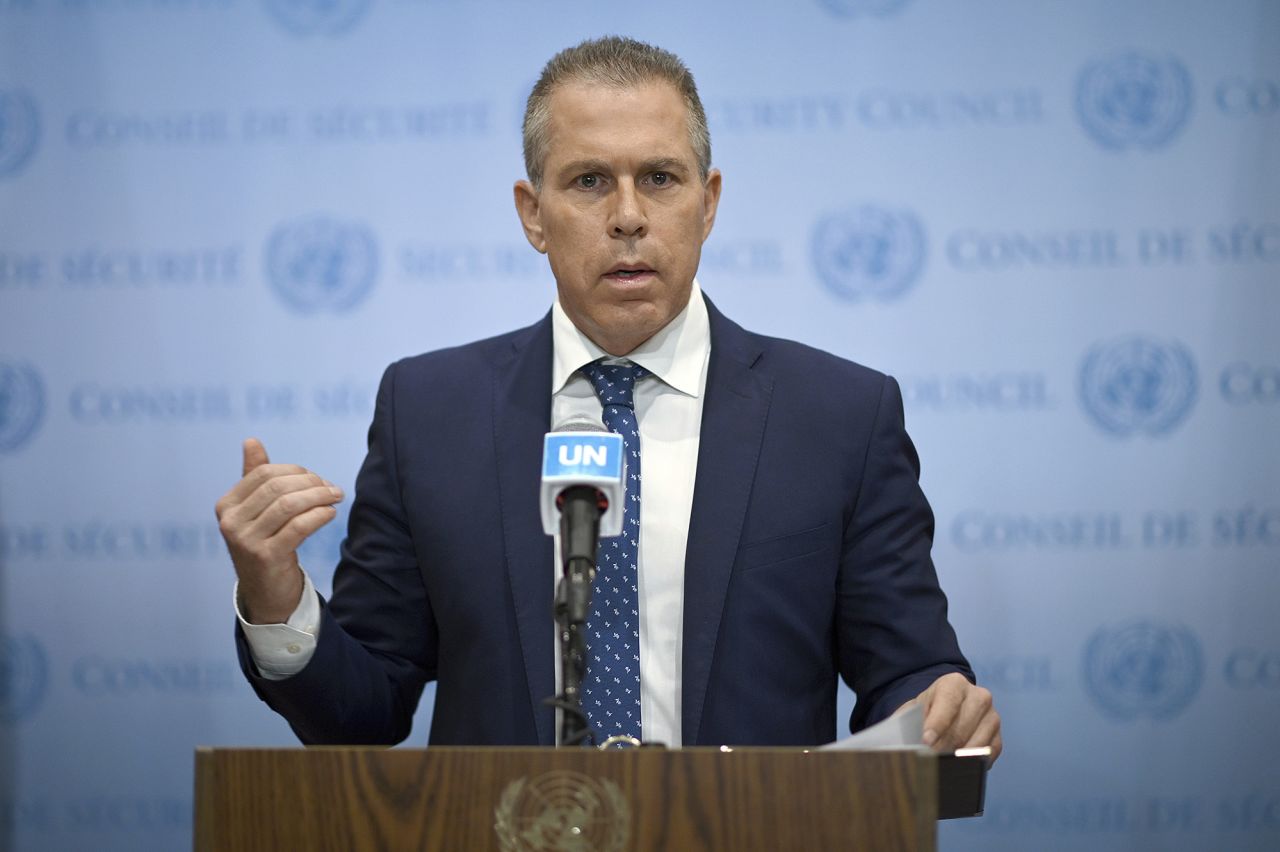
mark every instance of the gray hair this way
{"type": "Point", "coordinates": [621, 63]}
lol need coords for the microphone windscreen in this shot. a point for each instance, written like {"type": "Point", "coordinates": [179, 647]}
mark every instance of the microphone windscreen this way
{"type": "Point", "coordinates": [580, 424]}
{"type": "Point", "coordinates": [580, 452]}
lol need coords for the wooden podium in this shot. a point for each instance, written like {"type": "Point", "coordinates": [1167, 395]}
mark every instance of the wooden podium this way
{"type": "Point", "coordinates": [575, 799]}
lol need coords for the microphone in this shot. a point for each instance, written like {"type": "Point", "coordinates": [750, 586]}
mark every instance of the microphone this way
{"type": "Point", "coordinates": [582, 454]}
{"type": "Point", "coordinates": [583, 489]}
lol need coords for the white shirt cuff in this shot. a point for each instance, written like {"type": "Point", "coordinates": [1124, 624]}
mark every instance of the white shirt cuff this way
{"type": "Point", "coordinates": [282, 650]}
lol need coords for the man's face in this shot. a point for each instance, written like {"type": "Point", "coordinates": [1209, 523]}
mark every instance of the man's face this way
{"type": "Point", "coordinates": [622, 213]}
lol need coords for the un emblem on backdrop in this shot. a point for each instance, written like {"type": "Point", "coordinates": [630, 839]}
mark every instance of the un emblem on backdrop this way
{"type": "Point", "coordinates": [321, 264]}
{"type": "Point", "coordinates": [1143, 669]}
{"type": "Point", "coordinates": [1138, 386]}
{"type": "Point", "coordinates": [869, 252]}
{"type": "Point", "coordinates": [1133, 100]}
{"type": "Point", "coordinates": [317, 17]}
{"type": "Point", "coordinates": [856, 8]}
{"type": "Point", "coordinates": [21, 404]}
{"type": "Point", "coordinates": [24, 676]}
{"type": "Point", "coordinates": [19, 131]}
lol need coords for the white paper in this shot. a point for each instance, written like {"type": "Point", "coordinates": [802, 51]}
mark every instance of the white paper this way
{"type": "Point", "coordinates": [904, 730]}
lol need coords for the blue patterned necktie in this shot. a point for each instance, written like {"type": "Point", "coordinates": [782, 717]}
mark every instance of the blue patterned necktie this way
{"type": "Point", "coordinates": [611, 688]}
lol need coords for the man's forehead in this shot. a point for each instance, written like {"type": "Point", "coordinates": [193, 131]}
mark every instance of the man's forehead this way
{"type": "Point", "coordinates": [583, 113]}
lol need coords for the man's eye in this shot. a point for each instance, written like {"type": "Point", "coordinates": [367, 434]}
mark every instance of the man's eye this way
{"type": "Point", "coordinates": [589, 181]}
{"type": "Point", "coordinates": [660, 178]}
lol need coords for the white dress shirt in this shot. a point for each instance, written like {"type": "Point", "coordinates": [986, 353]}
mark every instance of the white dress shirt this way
{"type": "Point", "coordinates": [669, 409]}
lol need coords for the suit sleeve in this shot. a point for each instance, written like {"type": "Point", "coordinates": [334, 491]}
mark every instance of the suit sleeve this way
{"type": "Point", "coordinates": [893, 634]}
{"type": "Point", "coordinates": [377, 638]}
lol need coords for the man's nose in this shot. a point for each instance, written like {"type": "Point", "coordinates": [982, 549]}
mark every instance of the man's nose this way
{"type": "Point", "coordinates": [628, 211]}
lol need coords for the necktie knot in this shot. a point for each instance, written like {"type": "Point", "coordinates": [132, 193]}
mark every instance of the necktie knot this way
{"type": "Point", "coordinates": [615, 383]}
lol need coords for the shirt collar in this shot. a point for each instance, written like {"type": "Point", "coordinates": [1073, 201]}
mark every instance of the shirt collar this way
{"type": "Point", "coordinates": [674, 354]}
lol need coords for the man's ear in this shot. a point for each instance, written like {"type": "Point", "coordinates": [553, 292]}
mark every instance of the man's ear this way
{"type": "Point", "coordinates": [530, 212]}
{"type": "Point", "coordinates": [710, 202]}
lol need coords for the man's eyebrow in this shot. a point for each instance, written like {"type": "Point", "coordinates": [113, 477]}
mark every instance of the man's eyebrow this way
{"type": "Point", "coordinates": [658, 164]}
{"type": "Point", "coordinates": [577, 167]}
{"type": "Point", "coordinates": [666, 164]}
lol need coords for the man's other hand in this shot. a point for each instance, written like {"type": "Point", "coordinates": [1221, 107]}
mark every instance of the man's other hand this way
{"type": "Point", "coordinates": [264, 519]}
{"type": "Point", "coordinates": [958, 714]}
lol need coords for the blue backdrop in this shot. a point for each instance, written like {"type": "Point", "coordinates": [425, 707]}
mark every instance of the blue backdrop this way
{"type": "Point", "coordinates": [1057, 224]}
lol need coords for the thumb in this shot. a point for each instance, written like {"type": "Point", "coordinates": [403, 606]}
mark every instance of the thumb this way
{"type": "Point", "coordinates": [254, 455]}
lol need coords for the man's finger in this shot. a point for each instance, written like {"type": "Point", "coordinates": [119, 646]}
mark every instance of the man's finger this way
{"type": "Point", "coordinates": [986, 734]}
{"type": "Point", "coordinates": [296, 531]}
{"type": "Point", "coordinates": [282, 510]}
{"type": "Point", "coordinates": [272, 490]}
{"type": "Point", "coordinates": [997, 747]}
{"type": "Point", "coordinates": [254, 455]}
{"type": "Point", "coordinates": [255, 479]}
{"type": "Point", "coordinates": [974, 710]}
{"type": "Point", "coordinates": [941, 707]}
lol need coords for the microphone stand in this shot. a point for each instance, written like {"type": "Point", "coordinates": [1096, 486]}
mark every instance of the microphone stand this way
{"type": "Point", "coordinates": [580, 510]}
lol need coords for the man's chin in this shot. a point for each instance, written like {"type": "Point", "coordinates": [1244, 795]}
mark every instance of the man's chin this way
{"type": "Point", "coordinates": [625, 327]}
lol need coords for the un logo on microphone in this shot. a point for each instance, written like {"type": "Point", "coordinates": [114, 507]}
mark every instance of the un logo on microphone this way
{"type": "Point", "coordinates": [24, 677]}
{"type": "Point", "coordinates": [1143, 669]}
{"type": "Point", "coordinates": [1133, 100]}
{"type": "Point", "coordinates": [869, 252]}
{"type": "Point", "coordinates": [320, 264]}
{"type": "Point", "coordinates": [317, 17]}
{"type": "Point", "coordinates": [19, 131]}
{"type": "Point", "coordinates": [1138, 386]}
{"type": "Point", "coordinates": [857, 8]}
{"type": "Point", "coordinates": [21, 404]}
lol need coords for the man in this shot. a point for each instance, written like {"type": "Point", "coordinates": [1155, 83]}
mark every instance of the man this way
{"type": "Point", "coordinates": [783, 540]}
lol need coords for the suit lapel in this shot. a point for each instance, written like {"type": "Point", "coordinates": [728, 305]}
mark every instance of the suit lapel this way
{"type": "Point", "coordinates": [733, 420]}
{"type": "Point", "coordinates": [521, 414]}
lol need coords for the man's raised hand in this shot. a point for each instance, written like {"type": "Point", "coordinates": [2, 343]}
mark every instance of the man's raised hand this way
{"type": "Point", "coordinates": [264, 518]}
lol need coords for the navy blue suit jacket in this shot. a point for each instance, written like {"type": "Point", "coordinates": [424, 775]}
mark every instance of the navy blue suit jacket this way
{"type": "Point", "coordinates": [807, 559]}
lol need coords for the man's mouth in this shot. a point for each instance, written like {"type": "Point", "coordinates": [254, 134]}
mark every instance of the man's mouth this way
{"type": "Point", "coordinates": [629, 272]}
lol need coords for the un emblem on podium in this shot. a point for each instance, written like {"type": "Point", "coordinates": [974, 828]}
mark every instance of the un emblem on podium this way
{"type": "Point", "coordinates": [317, 17]}
{"type": "Point", "coordinates": [562, 810]}
{"type": "Point", "coordinates": [24, 675]}
{"type": "Point", "coordinates": [1138, 386]}
{"type": "Point", "coordinates": [21, 405]}
{"type": "Point", "coordinates": [1143, 669]}
{"type": "Point", "coordinates": [321, 264]}
{"type": "Point", "coordinates": [19, 131]}
{"type": "Point", "coordinates": [1132, 100]}
{"type": "Point", "coordinates": [869, 252]}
